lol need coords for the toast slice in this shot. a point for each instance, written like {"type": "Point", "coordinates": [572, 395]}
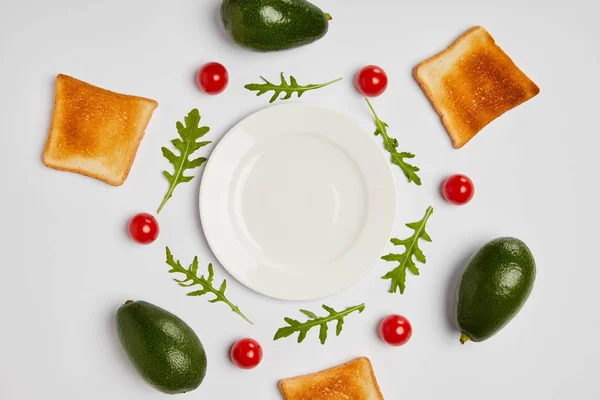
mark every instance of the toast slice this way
{"type": "Point", "coordinates": [472, 83]}
{"type": "Point", "coordinates": [95, 132]}
{"type": "Point", "coordinates": [351, 381]}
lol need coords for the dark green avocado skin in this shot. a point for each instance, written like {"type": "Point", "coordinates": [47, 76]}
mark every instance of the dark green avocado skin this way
{"type": "Point", "coordinates": [163, 348]}
{"type": "Point", "coordinates": [273, 25]}
{"type": "Point", "coordinates": [494, 287]}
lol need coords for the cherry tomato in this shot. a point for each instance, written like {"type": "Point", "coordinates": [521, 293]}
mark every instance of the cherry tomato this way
{"type": "Point", "coordinates": [458, 189]}
{"type": "Point", "coordinates": [395, 330]}
{"type": "Point", "coordinates": [143, 228]}
{"type": "Point", "coordinates": [371, 81]}
{"type": "Point", "coordinates": [246, 353]}
{"type": "Point", "coordinates": [213, 78]}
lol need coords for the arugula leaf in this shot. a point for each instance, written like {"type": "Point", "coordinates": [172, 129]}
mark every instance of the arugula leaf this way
{"type": "Point", "coordinates": [284, 87]}
{"type": "Point", "coordinates": [405, 260]}
{"type": "Point", "coordinates": [192, 279]}
{"type": "Point", "coordinates": [303, 327]}
{"type": "Point", "coordinates": [187, 145]}
{"type": "Point", "coordinates": [391, 145]}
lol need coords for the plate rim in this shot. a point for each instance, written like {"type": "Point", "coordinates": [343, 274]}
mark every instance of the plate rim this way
{"type": "Point", "coordinates": [202, 195]}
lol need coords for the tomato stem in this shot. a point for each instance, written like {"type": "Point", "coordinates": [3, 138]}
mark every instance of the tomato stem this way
{"type": "Point", "coordinates": [464, 338]}
{"type": "Point", "coordinates": [328, 16]}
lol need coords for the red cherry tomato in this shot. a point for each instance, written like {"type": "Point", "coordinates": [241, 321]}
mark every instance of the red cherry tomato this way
{"type": "Point", "coordinates": [458, 189]}
{"type": "Point", "coordinates": [246, 353]}
{"type": "Point", "coordinates": [371, 81]}
{"type": "Point", "coordinates": [213, 78]}
{"type": "Point", "coordinates": [395, 330]}
{"type": "Point", "coordinates": [143, 228]}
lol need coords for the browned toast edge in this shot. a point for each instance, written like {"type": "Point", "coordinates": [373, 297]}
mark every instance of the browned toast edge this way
{"type": "Point", "coordinates": [423, 86]}
{"type": "Point", "coordinates": [371, 372]}
{"type": "Point", "coordinates": [430, 97]}
{"type": "Point", "coordinates": [106, 179]}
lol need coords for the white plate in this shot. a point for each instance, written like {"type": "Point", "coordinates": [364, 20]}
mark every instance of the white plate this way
{"type": "Point", "coordinates": [297, 202]}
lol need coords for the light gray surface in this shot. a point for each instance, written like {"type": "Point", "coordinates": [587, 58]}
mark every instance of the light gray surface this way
{"type": "Point", "coordinates": [67, 263]}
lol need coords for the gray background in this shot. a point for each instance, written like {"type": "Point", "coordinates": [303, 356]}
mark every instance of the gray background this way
{"type": "Point", "coordinates": [67, 263]}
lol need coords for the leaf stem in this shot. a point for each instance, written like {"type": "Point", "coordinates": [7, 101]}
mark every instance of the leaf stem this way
{"type": "Point", "coordinates": [416, 237]}
{"type": "Point", "coordinates": [372, 109]}
{"type": "Point", "coordinates": [175, 178]}
{"type": "Point", "coordinates": [409, 251]}
{"type": "Point", "coordinates": [391, 144]}
{"type": "Point", "coordinates": [164, 201]}
{"type": "Point", "coordinates": [284, 87]}
{"type": "Point", "coordinates": [186, 144]}
{"type": "Point", "coordinates": [319, 321]}
{"type": "Point", "coordinates": [271, 86]}
{"type": "Point", "coordinates": [325, 84]}
{"type": "Point", "coordinates": [464, 338]}
{"type": "Point", "coordinates": [211, 289]}
{"type": "Point", "coordinates": [419, 231]}
{"type": "Point", "coordinates": [382, 129]}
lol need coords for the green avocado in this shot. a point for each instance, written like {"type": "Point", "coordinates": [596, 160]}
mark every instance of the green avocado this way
{"type": "Point", "coordinates": [273, 25]}
{"type": "Point", "coordinates": [163, 348]}
{"type": "Point", "coordinates": [493, 288]}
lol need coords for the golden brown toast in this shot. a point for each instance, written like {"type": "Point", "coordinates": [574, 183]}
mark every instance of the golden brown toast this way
{"type": "Point", "coordinates": [472, 83]}
{"type": "Point", "coordinates": [351, 381]}
{"type": "Point", "coordinates": [95, 132]}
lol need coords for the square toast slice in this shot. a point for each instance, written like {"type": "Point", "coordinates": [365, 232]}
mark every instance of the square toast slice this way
{"type": "Point", "coordinates": [472, 83]}
{"type": "Point", "coordinates": [95, 132]}
{"type": "Point", "coordinates": [354, 380]}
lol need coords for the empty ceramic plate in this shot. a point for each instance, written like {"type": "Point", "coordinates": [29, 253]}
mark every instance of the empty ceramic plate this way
{"type": "Point", "coordinates": [297, 202]}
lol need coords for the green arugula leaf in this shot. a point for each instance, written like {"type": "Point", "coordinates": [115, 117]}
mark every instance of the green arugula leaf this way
{"type": "Point", "coordinates": [284, 87]}
{"type": "Point", "coordinates": [303, 327]}
{"type": "Point", "coordinates": [191, 278]}
{"type": "Point", "coordinates": [391, 145]}
{"type": "Point", "coordinates": [405, 260]}
{"type": "Point", "coordinates": [186, 145]}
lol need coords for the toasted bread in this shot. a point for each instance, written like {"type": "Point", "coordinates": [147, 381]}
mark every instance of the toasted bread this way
{"type": "Point", "coordinates": [95, 132]}
{"type": "Point", "coordinates": [472, 83]}
{"type": "Point", "coordinates": [351, 381]}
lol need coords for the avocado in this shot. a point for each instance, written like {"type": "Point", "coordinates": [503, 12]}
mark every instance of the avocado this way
{"type": "Point", "coordinates": [493, 288]}
{"type": "Point", "coordinates": [163, 348]}
{"type": "Point", "coordinates": [273, 25]}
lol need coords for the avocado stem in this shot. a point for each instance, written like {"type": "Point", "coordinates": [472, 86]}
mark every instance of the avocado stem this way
{"type": "Point", "coordinates": [464, 338]}
{"type": "Point", "coordinates": [328, 16]}
{"type": "Point", "coordinates": [129, 302]}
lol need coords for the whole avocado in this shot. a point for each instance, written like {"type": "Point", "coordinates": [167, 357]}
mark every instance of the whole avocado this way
{"type": "Point", "coordinates": [163, 348]}
{"type": "Point", "coordinates": [273, 25]}
{"type": "Point", "coordinates": [493, 288]}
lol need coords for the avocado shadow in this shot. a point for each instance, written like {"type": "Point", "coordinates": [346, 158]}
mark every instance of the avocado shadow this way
{"type": "Point", "coordinates": [450, 296]}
